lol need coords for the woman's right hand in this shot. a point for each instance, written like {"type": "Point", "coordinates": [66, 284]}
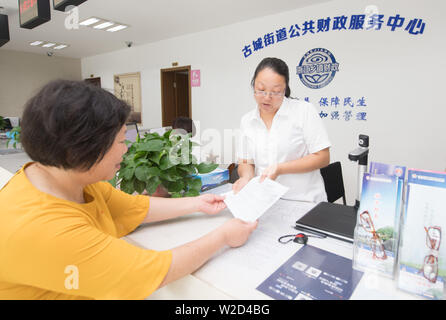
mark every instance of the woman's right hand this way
{"type": "Point", "coordinates": [239, 184]}
{"type": "Point", "coordinates": [236, 232]}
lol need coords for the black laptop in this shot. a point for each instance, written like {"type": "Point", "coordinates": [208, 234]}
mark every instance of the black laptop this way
{"type": "Point", "coordinates": [331, 219]}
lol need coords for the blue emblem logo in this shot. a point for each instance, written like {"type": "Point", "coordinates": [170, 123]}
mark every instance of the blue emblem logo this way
{"type": "Point", "coordinates": [317, 68]}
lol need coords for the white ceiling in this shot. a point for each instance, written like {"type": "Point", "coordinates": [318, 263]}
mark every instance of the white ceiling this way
{"type": "Point", "coordinates": [150, 21]}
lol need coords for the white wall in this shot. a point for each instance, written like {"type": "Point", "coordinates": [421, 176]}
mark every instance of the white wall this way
{"type": "Point", "coordinates": [16, 89]}
{"type": "Point", "coordinates": [399, 74]}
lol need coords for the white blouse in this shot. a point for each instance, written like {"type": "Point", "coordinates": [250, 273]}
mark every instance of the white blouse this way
{"type": "Point", "coordinates": [296, 131]}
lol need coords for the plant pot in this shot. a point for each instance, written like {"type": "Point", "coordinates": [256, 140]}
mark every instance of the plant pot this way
{"type": "Point", "coordinates": [161, 191]}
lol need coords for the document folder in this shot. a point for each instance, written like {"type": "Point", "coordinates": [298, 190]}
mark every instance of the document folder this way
{"type": "Point", "coordinates": [330, 219]}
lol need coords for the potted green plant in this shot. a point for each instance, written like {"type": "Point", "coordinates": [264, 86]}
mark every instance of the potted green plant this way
{"type": "Point", "coordinates": [13, 136]}
{"type": "Point", "coordinates": [162, 161]}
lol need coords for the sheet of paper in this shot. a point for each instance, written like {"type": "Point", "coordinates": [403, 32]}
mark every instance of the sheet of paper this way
{"type": "Point", "coordinates": [254, 199]}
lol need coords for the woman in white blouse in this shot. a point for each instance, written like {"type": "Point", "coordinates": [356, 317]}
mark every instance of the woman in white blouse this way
{"type": "Point", "coordinates": [283, 139]}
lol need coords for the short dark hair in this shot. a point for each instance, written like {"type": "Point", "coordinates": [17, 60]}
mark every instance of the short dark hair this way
{"type": "Point", "coordinates": [279, 67]}
{"type": "Point", "coordinates": [184, 123]}
{"type": "Point", "coordinates": [71, 124]}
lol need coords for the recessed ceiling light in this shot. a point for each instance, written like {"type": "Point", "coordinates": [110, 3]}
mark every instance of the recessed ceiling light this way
{"type": "Point", "coordinates": [60, 46]}
{"type": "Point", "coordinates": [89, 21]}
{"type": "Point", "coordinates": [48, 45]}
{"type": "Point", "coordinates": [117, 28]}
{"type": "Point", "coordinates": [104, 25]}
{"type": "Point", "coordinates": [36, 43]}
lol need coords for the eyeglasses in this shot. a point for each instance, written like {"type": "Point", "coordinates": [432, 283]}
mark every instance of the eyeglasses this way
{"type": "Point", "coordinates": [377, 246]}
{"type": "Point", "coordinates": [430, 266]}
{"type": "Point", "coordinates": [261, 93]}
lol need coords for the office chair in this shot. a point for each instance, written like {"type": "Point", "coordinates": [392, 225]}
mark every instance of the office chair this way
{"type": "Point", "coordinates": [233, 174]}
{"type": "Point", "coordinates": [333, 181]}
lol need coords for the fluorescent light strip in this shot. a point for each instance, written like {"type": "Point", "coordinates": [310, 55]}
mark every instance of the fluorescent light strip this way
{"type": "Point", "coordinates": [36, 43]}
{"type": "Point", "coordinates": [89, 21]}
{"type": "Point", "coordinates": [48, 45]}
{"type": "Point", "coordinates": [60, 47]}
{"type": "Point", "coordinates": [117, 28]}
{"type": "Point", "coordinates": [104, 25]}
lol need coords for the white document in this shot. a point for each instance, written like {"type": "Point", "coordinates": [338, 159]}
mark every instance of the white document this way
{"type": "Point", "coordinates": [254, 199]}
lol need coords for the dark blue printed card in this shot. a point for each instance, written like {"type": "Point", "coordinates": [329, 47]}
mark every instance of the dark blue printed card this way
{"type": "Point", "coordinates": [312, 274]}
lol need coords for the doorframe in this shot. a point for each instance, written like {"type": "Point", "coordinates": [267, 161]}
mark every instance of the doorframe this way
{"type": "Point", "coordinates": [165, 70]}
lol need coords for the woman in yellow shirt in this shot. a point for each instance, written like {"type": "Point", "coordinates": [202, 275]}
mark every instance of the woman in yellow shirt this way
{"type": "Point", "coordinates": [60, 224]}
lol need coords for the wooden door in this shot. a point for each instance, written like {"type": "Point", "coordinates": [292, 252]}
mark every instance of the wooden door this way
{"type": "Point", "coordinates": [182, 93]}
{"type": "Point", "coordinates": [175, 94]}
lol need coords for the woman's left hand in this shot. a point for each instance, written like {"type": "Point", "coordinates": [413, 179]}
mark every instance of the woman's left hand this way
{"type": "Point", "coordinates": [210, 203]}
{"type": "Point", "coordinates": [272, 172]}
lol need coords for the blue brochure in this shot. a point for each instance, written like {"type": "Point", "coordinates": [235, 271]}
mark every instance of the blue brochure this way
{"type": "Point", "coordinates": [422, 263]}
{"type": "Point", "coordinates": [377, 227]}
{"type": "Point", "coordinates": [400, 173]}
{"type": "Point", "coordinates": [312, 274]}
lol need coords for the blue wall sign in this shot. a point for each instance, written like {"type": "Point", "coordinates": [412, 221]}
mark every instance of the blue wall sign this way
{"type": "Point", "coordinates": [343, 23]}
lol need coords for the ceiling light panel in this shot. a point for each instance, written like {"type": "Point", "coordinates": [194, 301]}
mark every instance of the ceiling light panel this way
{"type": "Point", "coordinates": [36, 43]}
{"type": "Point", "coordinates": [104, 25]}
{"type": "Point", "coordinates": [117, 28]}
{"type": "Point", "coordinates": [60, 47]}
{"type": "Point", "coordinates": [90, 21]}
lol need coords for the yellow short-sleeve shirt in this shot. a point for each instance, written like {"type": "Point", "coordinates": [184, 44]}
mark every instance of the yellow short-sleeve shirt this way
{"type": "Point", "coordinates": [52, 248]}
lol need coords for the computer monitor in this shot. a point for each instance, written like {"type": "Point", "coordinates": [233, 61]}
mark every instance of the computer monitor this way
{"type": "Point", "coordinates": [132, 131]}
{"type": "Point", "coordinates": [8, 125]}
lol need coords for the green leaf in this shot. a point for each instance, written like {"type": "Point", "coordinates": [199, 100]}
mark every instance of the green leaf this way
{"type": "Point", "coordinates": [153, 171]}
{"type": "Point", "coordinates": [189, 169]}
{"type": "Point", "coordinates": [150, 136]}
{"type": "Point", "coordinates": [152, 184]}
{"type": "Point", "coordinates": [194, 184]}
{"type": "Point", "coordinates": [141, 173]}
{"type": "Point", "coordinates": [128, 172]}
{"type": "Point", "coordinates": [165, 163]}
{"type": "Point", "coordinates": [141, 161]}
{"type": "Point", "coordinates": [156, 156]}
{"type": "Point", "coordinates": [127, 186]}
{"type": "Point", "coordinates": [176, 186]}
{"type": "Point", "coordinates": [167, 134]}
{"type": "Point", "coordinates": [139, 155]}
{"type": "Point", "coordinates": [170, 175]}
{"type": "Point", "coordinates": [140, 186]}
{"type": "Point", "coordinates": [206, 167]}
{"type": "Point", "coordinates": [151, 145]}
